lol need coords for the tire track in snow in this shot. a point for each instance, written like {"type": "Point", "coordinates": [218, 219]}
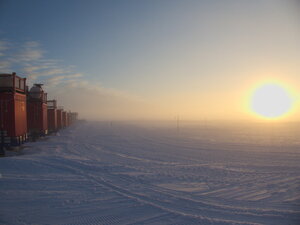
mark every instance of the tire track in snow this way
{"type": "Point", "coordinates": [217, 211]}
{"type": "Point", "coordinates": [208, 210]}
{"type": "Point", "coordinates": [227, 207]}
{"type": "Point", "coordinates": [216, 208]}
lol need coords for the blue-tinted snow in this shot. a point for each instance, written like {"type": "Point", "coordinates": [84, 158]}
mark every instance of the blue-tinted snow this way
{"type": "Point", "coordinates": [154, 173]}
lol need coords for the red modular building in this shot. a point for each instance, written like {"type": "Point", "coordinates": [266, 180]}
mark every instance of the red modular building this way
{"type": "Point", "coordinates": [73, 116]}
{"type": "Point", "coordinates": [69, 118]}
{"type": "Point", "coordinates": [52, 115]}
{"type": "Point", "coordinates": [37, 120]}
{"type": "Point", "coordinates": [64, 119]}
{"type": "Point", "coordinates": [59, 118]}
{"type": "Point", "coordinates": [13, 125]}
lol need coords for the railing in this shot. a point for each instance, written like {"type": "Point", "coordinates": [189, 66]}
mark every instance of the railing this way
{"type": "Point", "coordinates": [12, 81]}
{"type": "Point", "coordinates": [51, 104]}
{"type": "Point", "coordinates": [44, 97]}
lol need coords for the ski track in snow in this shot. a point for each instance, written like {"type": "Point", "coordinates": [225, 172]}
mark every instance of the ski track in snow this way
{"type": "Point", "coordinates": [92, 173]}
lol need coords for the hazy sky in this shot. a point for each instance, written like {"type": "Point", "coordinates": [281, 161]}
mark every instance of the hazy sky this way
{"type": "Point", "coordinates": [154, 58]}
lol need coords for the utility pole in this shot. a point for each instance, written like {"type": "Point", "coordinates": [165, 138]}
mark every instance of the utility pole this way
{"type": "Point", "coordinates": [177, 123]}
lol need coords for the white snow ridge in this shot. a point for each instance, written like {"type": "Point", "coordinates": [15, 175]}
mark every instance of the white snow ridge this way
{"type": "Point", "coordinates": [98, 173]}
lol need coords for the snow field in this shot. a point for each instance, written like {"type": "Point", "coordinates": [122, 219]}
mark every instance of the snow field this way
{"type": "Point", "coordinates": [94, 173]}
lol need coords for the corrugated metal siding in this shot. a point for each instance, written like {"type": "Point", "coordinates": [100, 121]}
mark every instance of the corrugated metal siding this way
{"type": "Point", "coordinates": [44, 117]}
{"type": "Point", "coordinates": [64, 119]}
{"type": "Point", "coordinates": [52, 119]}
{"type": "Point", "coordinates": [37, 116]}
{"type": "Point", "coordinates": [20, 114]}
{"type": "Point", "coordinates": [13, 114]}
{"type": "Point", "coordinates": [59, 119]}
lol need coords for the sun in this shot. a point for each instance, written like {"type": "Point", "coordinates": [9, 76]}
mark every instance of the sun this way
{"type": "Point", "coordinates": [271, 101]}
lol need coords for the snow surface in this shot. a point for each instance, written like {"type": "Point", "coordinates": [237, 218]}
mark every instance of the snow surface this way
{"type": "Point", "coordinates": [121, 173]}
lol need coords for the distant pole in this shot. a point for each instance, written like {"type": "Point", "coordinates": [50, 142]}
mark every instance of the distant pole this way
{"type": "Point", "coordinates": [177, 123]}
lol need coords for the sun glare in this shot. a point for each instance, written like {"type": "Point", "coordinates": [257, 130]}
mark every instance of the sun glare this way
{"type": "Point", "coordinates": [271, 101]}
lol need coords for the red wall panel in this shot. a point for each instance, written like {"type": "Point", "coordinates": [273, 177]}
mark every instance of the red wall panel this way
{"type": "Point", "coordinates": [52, 119]}
{"type": "Point", "coordinates": [37, 121]}
{"type": "Point", "coordinates": [64, 119]}
{"type": "Point", "coordinates": [13, 114]}
{"type": "Point", "coordinates": [59, 119]}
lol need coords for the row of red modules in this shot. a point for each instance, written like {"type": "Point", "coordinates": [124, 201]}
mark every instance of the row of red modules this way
{"type": "Point", "coordinates": [25, 114]}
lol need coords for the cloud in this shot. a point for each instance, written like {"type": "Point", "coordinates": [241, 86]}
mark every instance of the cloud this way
{"type": "Point", "coordinates": [48, 71]}
{"type": "Point", "coordinates": [15, 55]}
{"type": "Point", "coordinates": [32, 44]}
{"type": "Point", "coordinates": [94, 101]}
{"type": "Point", "coordinates": [54, 80]}
{"type": "Point", "coordinates": [30, 51]}
{"type": "Point", "coordinates": [64, 79]}
{"type": "Point", "coordinates": [4, 45]}
{"type": "Point", "coordinates": [4, 62]}
{"type": "Point", "coordinates": [66, 84]}
{"type": "Point", "coordinates": [5, 65]}
{"type": "Point", "coordinates": [30, 69]}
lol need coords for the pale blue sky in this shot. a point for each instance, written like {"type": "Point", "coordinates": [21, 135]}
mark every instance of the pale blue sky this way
{"type": "Point", "coordinates": [160, 52]}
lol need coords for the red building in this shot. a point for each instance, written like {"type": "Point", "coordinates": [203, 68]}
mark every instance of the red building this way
{"type": "Point", "coordinates": [69, 118]}
{"type": "Point", "coordinates": [13, 125]}
{"type": "Point", "coordinates": [59, 118]}
{"type": "Point", "coordinates": [52, 115]}
{"type": "Point", "coordinates": [37, 120]}
{"type": "Point", "coordinates": [73, 116]}
{"type": "Point", "coordinates": [64, 119]}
